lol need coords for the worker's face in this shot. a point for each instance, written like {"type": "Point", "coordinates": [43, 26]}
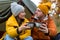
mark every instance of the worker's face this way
{"type": "Point", "coordinates": [22, 15]}
{"type": "Point", "coordinates": [39, 13]}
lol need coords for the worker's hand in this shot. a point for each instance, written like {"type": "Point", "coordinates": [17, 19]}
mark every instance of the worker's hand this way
{"type": "Point", "coordinates": [43, 28]}
{"type": "Point", "coordinates": [23, 27]}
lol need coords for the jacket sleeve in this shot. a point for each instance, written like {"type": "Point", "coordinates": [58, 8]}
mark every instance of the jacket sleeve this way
{"type": "Point", "coordinates": [27, 33]}
{"type": "Point", "coordinates": [52, 27]}
{"type": "Point", "coordinates": [10, 28]}
{"type": "Point", "coordinates": [11, 31]}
